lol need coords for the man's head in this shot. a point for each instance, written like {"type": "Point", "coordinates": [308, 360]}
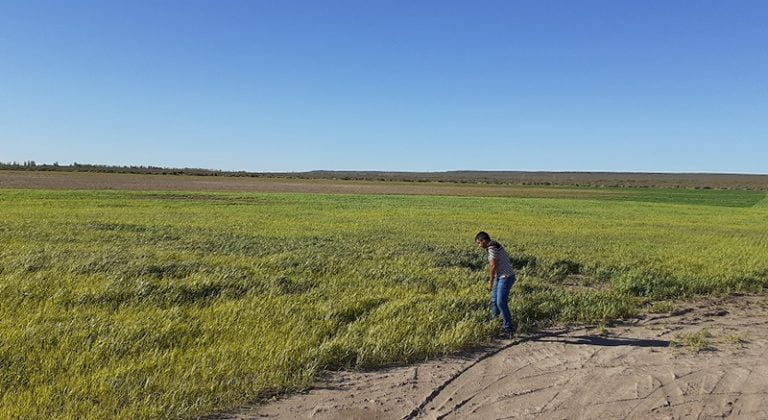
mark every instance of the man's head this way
{"type": "Point", "coordinates": [482, 240]}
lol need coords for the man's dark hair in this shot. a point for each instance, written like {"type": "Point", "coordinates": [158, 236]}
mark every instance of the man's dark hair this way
{"type": "Point", "coordinates": [482, 236]}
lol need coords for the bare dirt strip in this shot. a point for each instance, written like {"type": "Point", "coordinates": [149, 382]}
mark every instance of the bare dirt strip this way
{"type": "Point", "coordinates": [633, 369]}
{"type": "Point", "coordinates": [576, 179]}
{"type": "Point", "coordinates": [143, 182]}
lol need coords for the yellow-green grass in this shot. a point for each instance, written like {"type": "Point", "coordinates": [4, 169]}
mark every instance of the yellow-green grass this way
{"type": "Point", "coordinates": [132, 304]}
{"type": "Point", "coordinates": [694, 341]}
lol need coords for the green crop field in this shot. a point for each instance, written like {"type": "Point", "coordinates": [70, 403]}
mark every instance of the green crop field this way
{"type": "Point", "coordinates": [162, 304]}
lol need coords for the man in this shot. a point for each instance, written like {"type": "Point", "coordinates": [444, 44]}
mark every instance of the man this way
{"type": "Point", "coordinates": [501, 279]}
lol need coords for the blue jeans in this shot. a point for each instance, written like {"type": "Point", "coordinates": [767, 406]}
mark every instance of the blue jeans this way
{"type": "Point", "coordinates": [499, 299]}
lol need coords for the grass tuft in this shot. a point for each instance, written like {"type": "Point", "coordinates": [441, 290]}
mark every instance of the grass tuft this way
{"type": "Point", "coordinates": [695, 342]}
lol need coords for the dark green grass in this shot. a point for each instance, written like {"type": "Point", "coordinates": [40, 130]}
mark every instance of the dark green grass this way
{"type": "Point", "coordinates": [706, 197]}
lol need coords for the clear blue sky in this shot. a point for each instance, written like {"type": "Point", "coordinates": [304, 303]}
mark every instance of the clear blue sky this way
{"type": "Point", "coordinates": [667, 85]}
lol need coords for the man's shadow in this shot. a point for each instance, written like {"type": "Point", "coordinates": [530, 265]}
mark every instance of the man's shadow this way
{"type": "Point", "coordinates": [591, 340]}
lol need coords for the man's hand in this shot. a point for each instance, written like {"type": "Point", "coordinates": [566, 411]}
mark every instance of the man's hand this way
{"type": "Point", "coordinates": [490, 285]}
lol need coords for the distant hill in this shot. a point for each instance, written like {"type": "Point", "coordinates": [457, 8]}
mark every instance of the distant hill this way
{"type": "Point", "coordinates": [593, 179]}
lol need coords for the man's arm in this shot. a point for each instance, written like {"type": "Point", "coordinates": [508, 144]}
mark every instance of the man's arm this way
{"type": "Point", "coordinates": [492, 265]}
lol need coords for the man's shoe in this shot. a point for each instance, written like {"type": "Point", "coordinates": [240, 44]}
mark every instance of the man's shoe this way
{"type": "Point", "coordinates": [510, 332]}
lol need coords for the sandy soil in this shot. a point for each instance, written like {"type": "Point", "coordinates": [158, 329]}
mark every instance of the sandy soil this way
{"type": "Point", "coordinates": [632, 369]}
